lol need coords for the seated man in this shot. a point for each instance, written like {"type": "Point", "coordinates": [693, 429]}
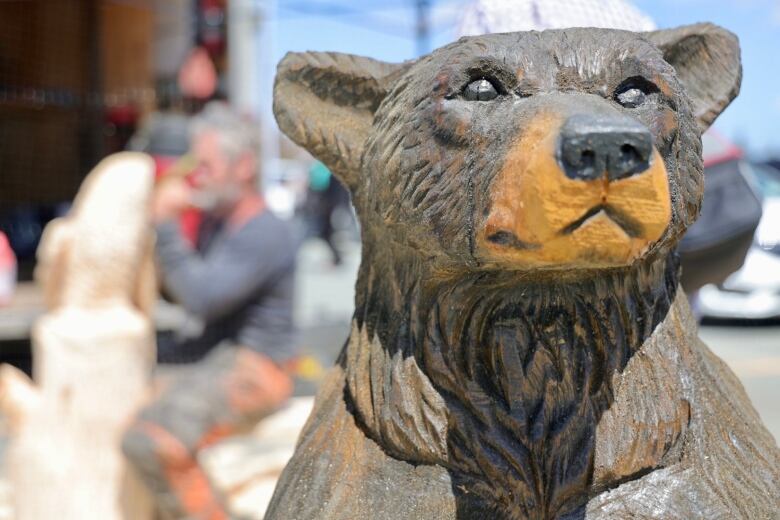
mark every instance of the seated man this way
{"type": "Point", "coordinates": [239, 279]}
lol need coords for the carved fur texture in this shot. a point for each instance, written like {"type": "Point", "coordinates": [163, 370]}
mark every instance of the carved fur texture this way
{"type": "Point", "coordinates": [489, 374]}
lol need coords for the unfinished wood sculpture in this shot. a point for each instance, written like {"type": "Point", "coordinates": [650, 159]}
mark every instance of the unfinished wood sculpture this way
{"type": "Point", "coordinates": [93, 352]}
{"type": "Point", "coordinates": [520, 347]}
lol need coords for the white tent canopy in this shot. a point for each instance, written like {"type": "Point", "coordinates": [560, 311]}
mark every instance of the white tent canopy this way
{"type": "Point", "coordinates": [497, 16]}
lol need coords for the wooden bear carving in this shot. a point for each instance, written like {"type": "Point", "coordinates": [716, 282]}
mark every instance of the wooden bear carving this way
{"type": "Point", "coordinates": [520, 347]}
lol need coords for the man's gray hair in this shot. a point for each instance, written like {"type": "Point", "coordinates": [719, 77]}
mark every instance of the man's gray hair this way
{"type": "Point", "coordinates": [237, 134]}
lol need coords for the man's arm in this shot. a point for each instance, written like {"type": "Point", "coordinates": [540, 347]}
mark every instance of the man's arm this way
{"type": "Point", "coordinates": [215, 286]}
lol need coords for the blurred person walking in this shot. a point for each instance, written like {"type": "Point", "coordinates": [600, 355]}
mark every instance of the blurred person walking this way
{"type": "Point", "coordinates": [238, 278]}
{"type": "Point", "coordinates": [325, 195]}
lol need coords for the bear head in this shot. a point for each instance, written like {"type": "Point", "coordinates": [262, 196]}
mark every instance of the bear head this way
{"type": "Point", "coordinates": [563, 151]}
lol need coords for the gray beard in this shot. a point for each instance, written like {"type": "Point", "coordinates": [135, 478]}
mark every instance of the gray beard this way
{"type": "Point", "coordinates": [216, 200]}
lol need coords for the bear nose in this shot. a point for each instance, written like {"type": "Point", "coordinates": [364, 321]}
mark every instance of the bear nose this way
{"type": "Point", "coordinates": [591, 146]}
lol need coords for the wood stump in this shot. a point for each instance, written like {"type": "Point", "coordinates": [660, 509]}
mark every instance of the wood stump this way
{"type": "Point", "coordinates": [93, 352]}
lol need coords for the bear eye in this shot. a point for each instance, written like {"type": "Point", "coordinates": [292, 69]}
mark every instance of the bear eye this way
{"type": "Point", "coordinates": [480, 90]}
{"type": "Point", "coordinates": [635, 91]}
{"type": "Point", "coordinates": [631, 97]}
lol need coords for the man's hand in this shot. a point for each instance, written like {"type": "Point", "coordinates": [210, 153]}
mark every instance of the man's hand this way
{"type": "Point", "coordinates": [172, 197]}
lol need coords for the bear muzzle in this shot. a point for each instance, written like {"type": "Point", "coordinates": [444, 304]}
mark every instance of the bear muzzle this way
{"type": "Point", "coordinates": [577, 191]}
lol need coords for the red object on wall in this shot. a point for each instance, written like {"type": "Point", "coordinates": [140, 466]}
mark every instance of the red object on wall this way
{"type": "Point", "coordinates": [718, 149]}
{"type": "Point", "coordinates": [198, 76]}
{"type": "Point", "coordinates": [7, 271]}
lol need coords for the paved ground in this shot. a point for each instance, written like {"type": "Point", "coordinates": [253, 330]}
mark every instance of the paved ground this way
{"type": "Point", "coordinates": [753, 353]}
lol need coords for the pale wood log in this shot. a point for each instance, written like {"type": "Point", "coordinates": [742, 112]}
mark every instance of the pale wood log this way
{"type": "Point", "coordinates": [17, 396]}
{"type": "Point", "coordinates": [245, 469]}
{"type": "Point", "coordinates": [93, 355]}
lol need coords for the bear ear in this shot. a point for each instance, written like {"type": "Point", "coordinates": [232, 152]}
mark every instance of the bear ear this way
{"type": "Point", "coordinates": [325, 102]}
{"type": "Point", "coordinates": [706, 58]}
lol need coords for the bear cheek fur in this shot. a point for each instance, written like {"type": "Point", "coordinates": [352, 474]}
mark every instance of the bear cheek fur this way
{"type": "Point", "coordinates": [678, 140]}
{"type": "Point", "coordinates": [422, 182]}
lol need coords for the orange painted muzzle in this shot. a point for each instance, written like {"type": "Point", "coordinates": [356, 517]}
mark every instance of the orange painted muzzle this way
{"type": "Point", "coordinates": [580, 192]}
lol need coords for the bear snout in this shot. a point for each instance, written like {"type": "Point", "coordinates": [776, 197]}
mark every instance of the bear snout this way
{"type": "Point", "coordinates": [593, 146]}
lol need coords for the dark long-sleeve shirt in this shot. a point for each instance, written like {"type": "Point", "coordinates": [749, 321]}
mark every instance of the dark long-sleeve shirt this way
{"type": "Point", "coordinates": [240, 284]}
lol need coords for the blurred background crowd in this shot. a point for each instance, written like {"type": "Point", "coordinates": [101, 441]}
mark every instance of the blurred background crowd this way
{"type": "Point", "coordinates": [82, 79]}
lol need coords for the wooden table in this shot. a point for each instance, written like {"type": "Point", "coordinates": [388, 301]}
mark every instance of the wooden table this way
{"type": "Point", "coordinates": [17, 319]}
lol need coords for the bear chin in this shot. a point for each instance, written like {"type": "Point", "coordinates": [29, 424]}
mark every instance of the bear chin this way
{"type": "Point", "coordinates": [598, 243]}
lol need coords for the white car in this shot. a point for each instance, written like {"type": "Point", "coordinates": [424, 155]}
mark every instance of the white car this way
{"type": "Point", "coordinates": [753, 292]}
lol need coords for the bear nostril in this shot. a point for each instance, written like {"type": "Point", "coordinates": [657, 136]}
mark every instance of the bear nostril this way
{"type": "Point", "coordinates": [630, 156]}
{"type": "Point", "coordinates": [628, 152]}
{"type": "Point", "coordinates": [588, 162]}
{"type": "Point", "coordinates": [628, 160]}
{"type": "Point", "coordinates": [580, 160]}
